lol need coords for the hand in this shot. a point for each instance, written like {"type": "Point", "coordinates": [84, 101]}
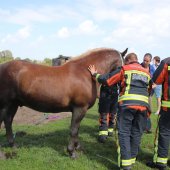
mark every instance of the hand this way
{"type": "Point", "coordinates": [153, 85]}
{"type": "Point", "coordinates": [92, 69]}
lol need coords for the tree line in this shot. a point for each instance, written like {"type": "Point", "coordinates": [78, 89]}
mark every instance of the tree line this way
{"type": "Point", "coordinates": [6, 55]}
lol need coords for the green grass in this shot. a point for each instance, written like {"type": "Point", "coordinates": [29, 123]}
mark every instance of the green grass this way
{"type": "Point", "coordinates": [44, 147]}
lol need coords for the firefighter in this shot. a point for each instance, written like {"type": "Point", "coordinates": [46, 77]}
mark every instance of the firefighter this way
{"type": "Point", "coordinates": [162, 76]}
{"type": "Point", "coordinates": [107, 110]}
{"type": "Point", "coordinates": [133, 105]}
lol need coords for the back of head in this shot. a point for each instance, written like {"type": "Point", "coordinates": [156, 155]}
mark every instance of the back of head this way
{"type": "Point", "coordinates": [131, 57]}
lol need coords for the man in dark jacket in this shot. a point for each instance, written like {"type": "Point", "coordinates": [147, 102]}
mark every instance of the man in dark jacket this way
{"type": "Point", "coordinates": [107, 109]}
{"type": "Point", "coordinates": [146, 64]}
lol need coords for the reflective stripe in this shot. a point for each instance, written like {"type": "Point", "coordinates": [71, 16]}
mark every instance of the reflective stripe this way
{"type": "Point", "coordinates": [165, 103]}
{"type": "Point", "coordinates": [129, 77]}
{"type": "Point", "coordinates": [168, 67]}
{"type": "Point", "coordinates": [103, 132]}
{"type": "Point", "coordinates": [97, 76]}
{"type": "Point", "coordinates": [110, 130]}
{"type": "Point", "coordinates": [133, 160]}
{"type": "Point", "coordinates": [133, 97]}
{"type": "Point", "coordinates": [128, 73]}
{"type": "Point", "coordinates": [126, 162]}
{"type": "Point", "coordinates": [162, 160]}
{"type": "Point", "coordinates": [138, 72]}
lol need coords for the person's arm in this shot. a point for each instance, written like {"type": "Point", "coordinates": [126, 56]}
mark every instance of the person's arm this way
{"type": "Point", "coordinates": [159, 74]}
{"type": "Point", "coordinates": [109, 78]}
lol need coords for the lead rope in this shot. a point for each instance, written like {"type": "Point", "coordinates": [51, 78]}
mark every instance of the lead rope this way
{"type": "Point", "coordinates": [117, 140]}
{"type": "Point", "coordinates": [156, 141]}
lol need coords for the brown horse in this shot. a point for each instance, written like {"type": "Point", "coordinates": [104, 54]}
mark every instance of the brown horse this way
{"type": "Point", "coordinates": [69, 87]}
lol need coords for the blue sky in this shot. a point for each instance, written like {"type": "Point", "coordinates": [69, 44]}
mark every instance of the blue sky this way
{"type": "Point", "coordinates": [47, 28]}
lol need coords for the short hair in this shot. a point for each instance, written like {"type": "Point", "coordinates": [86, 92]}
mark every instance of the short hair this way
{"type": "Point", "coordinates": [148, 54]}
{"type": "Point", "coordinates": [131, 56]}
{"type": "Point", "coordinates": [157, 58]}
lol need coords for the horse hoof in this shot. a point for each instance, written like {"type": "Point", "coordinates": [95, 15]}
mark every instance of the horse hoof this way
{"type": "Point", "coordinates": [21, 133]}
{"type": "Point", "coordinates": [78, 147]}
{"type": "Point", "coordinates": [74, 156]}
{"type": "Point", "coordinates": [10, 155]}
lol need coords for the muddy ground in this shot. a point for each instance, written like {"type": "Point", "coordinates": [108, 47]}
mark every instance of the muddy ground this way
{"type": "Point", "coordinates": [27, 116]}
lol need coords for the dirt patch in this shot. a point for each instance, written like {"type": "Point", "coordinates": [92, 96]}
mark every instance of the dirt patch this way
{"type": "Point", "coordinates": [29, 116]}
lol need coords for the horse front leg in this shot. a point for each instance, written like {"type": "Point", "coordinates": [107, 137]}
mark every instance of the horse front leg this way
{"type": "Point", "coordinates": [77, 115]}
{"type": "Point", "coordinates": [8, 124]}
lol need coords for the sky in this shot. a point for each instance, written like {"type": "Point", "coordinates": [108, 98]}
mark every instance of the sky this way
{"type": "Point", "coordinates": [47, 28]}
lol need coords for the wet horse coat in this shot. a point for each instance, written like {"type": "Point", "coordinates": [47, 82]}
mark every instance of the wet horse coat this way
{"type": "Point", "coordinates": [69, 87]}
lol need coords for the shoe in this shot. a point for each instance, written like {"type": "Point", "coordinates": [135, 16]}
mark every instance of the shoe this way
{"type": "Point", "coordinates": [156, 165]}
{"type": "Point", "coordinates": [102, 138]}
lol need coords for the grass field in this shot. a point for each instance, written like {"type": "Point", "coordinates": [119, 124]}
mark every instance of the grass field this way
{"type": "Point", "coordinates": [44, 147]}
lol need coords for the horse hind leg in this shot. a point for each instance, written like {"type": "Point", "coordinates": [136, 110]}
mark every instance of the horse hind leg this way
{"type": "Point", "coordinates": [77, 115]}
{"type": "Point", "coordinates": [10, 112]}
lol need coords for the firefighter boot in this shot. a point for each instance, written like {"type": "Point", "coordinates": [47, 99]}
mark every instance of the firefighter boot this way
{"type": "Point", "coordinates": [102, 138]}
{"type": "Point", "coordinates": [158, 166]}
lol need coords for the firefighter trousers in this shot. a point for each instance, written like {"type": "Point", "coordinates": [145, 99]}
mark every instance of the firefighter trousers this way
{"type": "Point", "coordinates": [107, 111]}
{"type": "Point", "coordinates": [164, 136]}
{"type": "Point", "coordinates": [131, 125]}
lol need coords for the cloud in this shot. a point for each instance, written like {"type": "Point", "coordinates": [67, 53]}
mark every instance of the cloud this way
{"type": "Point", "coordinates": [115, 23]}
{"type": "Point", "coordinates": [88, 27]}
{"type": "Point", "coordinates": [39, 40]}
{"type": "Point", "coordinates": [20, 35]}
{"type": "Point", "coordinates": [140, 26]}
{"type": "Point", "coordinates": [30, 15]}
{"type": "Point", "coordinates": [63, 32]}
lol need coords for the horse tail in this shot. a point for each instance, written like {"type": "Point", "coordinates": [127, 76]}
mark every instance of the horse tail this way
{"type": "Point", "coordinates": [124, 53]}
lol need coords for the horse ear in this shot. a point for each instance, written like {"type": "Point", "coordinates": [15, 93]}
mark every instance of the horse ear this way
{"type": "Point", "coordinates": [124, 52]}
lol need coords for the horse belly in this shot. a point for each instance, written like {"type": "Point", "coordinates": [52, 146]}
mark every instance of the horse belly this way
{"type": "Point", "coordinates": [45, 99]}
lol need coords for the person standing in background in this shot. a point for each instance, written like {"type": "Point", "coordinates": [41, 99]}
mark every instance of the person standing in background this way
{"type": "Point", "coordinates": [146, 64]}
{"type": "Point", "coordinates": [158, 88]}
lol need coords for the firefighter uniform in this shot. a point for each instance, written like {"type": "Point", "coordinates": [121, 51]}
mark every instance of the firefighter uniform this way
{"type": "Point", "coordinates": [107, 110]}
{"type": "Point", "coordinates": [162, 76]}
{"type": "Point", "coordinates": [132, 107]}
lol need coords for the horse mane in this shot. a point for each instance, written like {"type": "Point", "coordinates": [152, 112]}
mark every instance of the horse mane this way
{"type": "Point", "coordinates": [88, 53]}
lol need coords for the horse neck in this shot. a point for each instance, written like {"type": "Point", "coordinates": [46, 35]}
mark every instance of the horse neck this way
{"type": "Point", "coordinates": [108, 63]}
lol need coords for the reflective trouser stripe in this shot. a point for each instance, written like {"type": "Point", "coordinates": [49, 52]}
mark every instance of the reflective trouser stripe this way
{"type": "Point", "coordinates": [162, 160]}
{"type": "Point", "coordinates": [165, 103]}
{"type": "Point", "coordinates": [103, 132]}
{"type": "Point", "coordinates": [110, 130]}
{"type": "Point", "coordinates": [126, 162]}
{"type": "Point", "coordinates": [133, 160]}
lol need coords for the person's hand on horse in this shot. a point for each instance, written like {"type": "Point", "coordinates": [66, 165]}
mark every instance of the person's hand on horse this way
{"type": "Point", "coordinates": [92, 69]}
